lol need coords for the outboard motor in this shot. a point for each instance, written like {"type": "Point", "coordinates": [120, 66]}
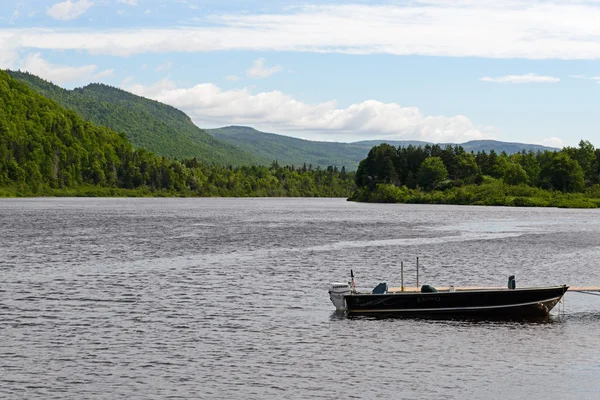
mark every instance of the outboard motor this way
{"type": "Point", "coordinates": [337, 293]}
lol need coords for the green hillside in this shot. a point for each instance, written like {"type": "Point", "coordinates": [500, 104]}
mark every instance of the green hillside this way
{"type": "Point", "coordinates": [48, 150]}
{"type": "Point", "coordinates": [43, 144]}
{"type": "Point", "coordinates": [288, 150]}
{"type": "Point", "coordinates": [146, 123]}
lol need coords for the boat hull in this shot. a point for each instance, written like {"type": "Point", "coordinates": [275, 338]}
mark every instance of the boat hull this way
{"type": "Point", "coordinates": [526, 302]}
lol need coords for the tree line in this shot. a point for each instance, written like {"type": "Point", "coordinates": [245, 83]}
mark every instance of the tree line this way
{"type": "Point", "coordinates": [431, 168]}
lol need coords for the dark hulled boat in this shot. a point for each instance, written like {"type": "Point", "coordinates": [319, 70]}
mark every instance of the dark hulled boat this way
{"type": "Point", "coordinates": [509, 302]}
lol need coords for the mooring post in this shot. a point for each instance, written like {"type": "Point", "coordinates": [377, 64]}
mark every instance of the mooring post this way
{"type": "Point", "coordinates": [417, 273]}
{"type": "Point", "coordinates": [402, 276]}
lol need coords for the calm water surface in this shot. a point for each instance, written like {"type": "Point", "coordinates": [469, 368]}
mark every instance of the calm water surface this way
{"type": "Point", "coordinates": [227, 298]}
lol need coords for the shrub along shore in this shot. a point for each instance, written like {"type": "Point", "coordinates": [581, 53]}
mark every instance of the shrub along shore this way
{"type": "Point", "coordinates": [495, 193]}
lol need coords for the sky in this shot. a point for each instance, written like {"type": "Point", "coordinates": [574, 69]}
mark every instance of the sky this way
{"type": "Point", "coordinates": [433, 70]}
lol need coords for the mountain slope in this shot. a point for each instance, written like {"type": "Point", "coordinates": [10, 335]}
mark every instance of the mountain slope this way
{"type": "Point", "coordinates": [157, 127]}
{"type": "Point", "coordinates": [42, 143]}
{"type": "Point", "coordinates": [286, 149]}
{"type": "Point", "coordinates": [289, 150]}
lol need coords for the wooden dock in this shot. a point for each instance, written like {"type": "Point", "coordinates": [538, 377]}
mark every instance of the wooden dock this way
{"type": "Point", "coordinates": [463, 288]}
{"type": "Point", "coordinates": [584, 289]}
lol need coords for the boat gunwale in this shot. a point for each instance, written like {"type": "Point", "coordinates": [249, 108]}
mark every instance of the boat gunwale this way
{"type": "Point", "coordinates": [458, 290]}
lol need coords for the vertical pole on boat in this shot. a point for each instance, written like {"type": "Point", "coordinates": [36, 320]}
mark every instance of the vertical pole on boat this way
{"type": "Point", "coordinates": [402, 275]}
{"type": "Point", "coordinates": [417, 273]}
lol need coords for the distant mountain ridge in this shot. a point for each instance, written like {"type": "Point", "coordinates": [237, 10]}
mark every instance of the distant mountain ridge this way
{"type": "Point", "coordinates": [472, 145]}
{"type": "Point", "coordinates": [297, 151]}
{"type": "Point", "coordinates": [290, 150]}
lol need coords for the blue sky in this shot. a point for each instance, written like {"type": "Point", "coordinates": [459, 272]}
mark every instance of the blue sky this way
{"type": "Point", "coordinates": [435, 70]}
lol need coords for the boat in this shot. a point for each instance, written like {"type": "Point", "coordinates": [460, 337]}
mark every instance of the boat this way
{"type": "Point", "coordinates": [428, 301]}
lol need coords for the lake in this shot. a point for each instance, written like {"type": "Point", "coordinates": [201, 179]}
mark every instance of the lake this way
{"type": "Point", "coordinates": [226, 298]}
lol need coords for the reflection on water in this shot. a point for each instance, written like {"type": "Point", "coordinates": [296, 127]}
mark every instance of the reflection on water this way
{"type": "Point", "coordinates": [213, 298]}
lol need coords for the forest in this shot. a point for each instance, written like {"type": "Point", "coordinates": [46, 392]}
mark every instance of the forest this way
{"type": "Point", "coordinates": [47, 150]}
{"type": "Point", "coordinates": [450, 175]}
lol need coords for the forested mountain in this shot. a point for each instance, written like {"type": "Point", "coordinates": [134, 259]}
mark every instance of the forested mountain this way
{"type": "Point", "coordinates": [155, 126]}
{"type": "Point", "coordinates": [296, 151]}
{"type": "Point", "coordinates": [46, 149]}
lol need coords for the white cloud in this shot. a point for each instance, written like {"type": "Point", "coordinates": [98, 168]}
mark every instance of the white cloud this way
{"type": "Point", "coordinates": [8, 59]}
{"type": "Point", "coordinates": [209, 105]}
{"type": "Point", "coordinates": [69, 10]}
{"type": "Point", "coordinates": [8, 51]}
{"type": "Point", "coordinates": [591, 78]}
{"type": "Point", "coordinates": [259, 70]}
{"type": "Point", "coordinates": [537, 29]}
{"type": "Point", "coordinates": [128, 2]}
{"type": "Point", "coordinates": [553, 142]}
{"type": "Point", "coordinates": [104, 74]}
{"type": "Point", "coordinates": [232, 78]}
{"type": "Point", "coordinates": [527, 78]}
{"type": "Point", "coordinates": [15, 15]}
{"type": "Point", "coordinates": [164, 67]}
{"type": "Point", "coordinates": [59, 74]}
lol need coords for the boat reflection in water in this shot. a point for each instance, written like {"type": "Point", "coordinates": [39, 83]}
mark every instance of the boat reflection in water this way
{"type": "Point", "coordinates": [510, 302]}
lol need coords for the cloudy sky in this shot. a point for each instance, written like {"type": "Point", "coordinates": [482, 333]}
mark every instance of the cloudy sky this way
{"type": "Point", "coordinates": [435, 70]}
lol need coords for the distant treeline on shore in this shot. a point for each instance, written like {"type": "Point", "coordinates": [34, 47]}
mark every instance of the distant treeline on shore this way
{"type": "Point", "coordinates": [431, 174]}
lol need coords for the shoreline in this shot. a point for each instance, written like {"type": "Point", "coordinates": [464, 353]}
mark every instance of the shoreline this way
{"type": "Point", "coordinates": [492, 194]}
